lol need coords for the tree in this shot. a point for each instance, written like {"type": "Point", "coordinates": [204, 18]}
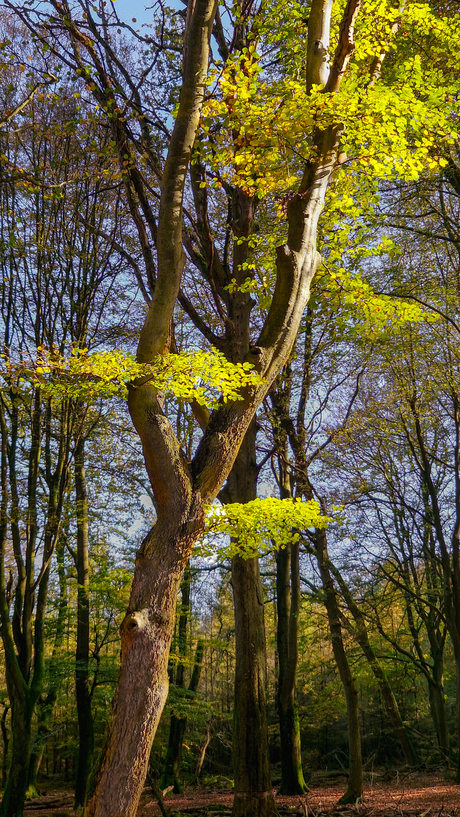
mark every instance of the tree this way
{"type": "Point", "coordinates": [182, 489]}
{"type": "Point", "coordinates": [171, 770]}
{"type": "Point", "coordinates": [55, 279]}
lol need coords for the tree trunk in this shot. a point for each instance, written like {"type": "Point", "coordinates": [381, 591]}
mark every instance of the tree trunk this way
{"type": "Point", "coordinates": [287, 594]}
{"type": "Point", "coordinates": [202, 752]}
{"type": "Point", "coordinates": [438, 714]}
{"type": "Point", "coordinates": [171, 771]}
{"type": "Point", "coordinates": [388, 698]}
{"type": "Point", "coordinates": [46, 704]}
{"type": "Point", "coordinates": [354, 790]}
{"type": "Point", "coordinates": [44, 712]}
{"type": "Point", "coordinates": [142, 689]}
{"type": "Point", "coordinates": [6, 743]}
{"type": "Point", "coordinates": [252, 786]}
{"type": "Point", "coordinates": [83, 689]}
{"type": "Point", "coordinates": [18, 774]}
{"type": "Point", "coordinates": [252, 780]}
{"type": "Point", "coordinates": [390, 704]}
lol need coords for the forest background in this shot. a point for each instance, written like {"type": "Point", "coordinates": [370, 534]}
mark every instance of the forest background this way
{"type": "Point", "coordinates": [287, 466]}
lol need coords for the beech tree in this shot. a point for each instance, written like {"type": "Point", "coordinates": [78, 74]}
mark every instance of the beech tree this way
{"type": "Point", "coordinates": [282, 172]}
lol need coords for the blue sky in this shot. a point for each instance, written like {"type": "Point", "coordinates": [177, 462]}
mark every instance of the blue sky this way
{"type": "Point", "coordinates": [127, 9]}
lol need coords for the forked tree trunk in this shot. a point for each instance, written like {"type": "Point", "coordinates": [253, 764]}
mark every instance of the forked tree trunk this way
{"type": "Point", "coordinates": [182, 488]}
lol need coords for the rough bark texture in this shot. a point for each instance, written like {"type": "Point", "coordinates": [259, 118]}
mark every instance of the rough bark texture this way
{"type": "Point", "coordinates": [252, 779]}
{"type": "Point", "coordinates": [178, 725]}
{"type": "Point", "coordinates": [142, 688]}
{"type": "Point", "coordinates": [18, 775]}
{"type": "Point", "coordinates": [181, 488]}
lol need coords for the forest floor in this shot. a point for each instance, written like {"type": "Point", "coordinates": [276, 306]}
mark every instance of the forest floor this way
{"type": "Point", "coordinates": [412, 795]}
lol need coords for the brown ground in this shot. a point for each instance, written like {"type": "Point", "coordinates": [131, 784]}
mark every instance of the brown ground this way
{"type": "Point", "coordinates": [404, 797]}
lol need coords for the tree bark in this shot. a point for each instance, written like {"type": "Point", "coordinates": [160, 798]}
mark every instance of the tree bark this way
{"type": "Point", "coordinates": [18, 775]}
{"type": "Point", "coordinates": [388, 698]}
{"type": "Point", "coordinates": [438, 715]}
{"type": "Point", "coordinates": [44, 712]}
{"type": "Point", "coordinates": [142, 689]}
{"type": "Point", "coordinates": [171, 771]}
{"type": "Point", "coordinates": [181, 488]}
{"type": "Point", "coordinates": [252, 780]}
{"type": "Point", "coordinates": [288, 603]}
{"type": "Point", "coordinates": [6, 742]}
{"type": "Point", "coordinates": [354, 790]}
{"type": "Point", "coordinates": [82, 670]}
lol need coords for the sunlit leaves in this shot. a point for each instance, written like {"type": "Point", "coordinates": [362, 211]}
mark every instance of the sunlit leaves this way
{"type": "Point", "coordinates": [257, 526]}
{"type": "Point", "coordinates": [257, 126]}
{"type": "Point", "coordinates": [204, 376]}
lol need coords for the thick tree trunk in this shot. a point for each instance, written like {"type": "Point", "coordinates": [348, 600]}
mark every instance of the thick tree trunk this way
{"type": "Point", "coordinates": [6, 743]}
{"type": "Point", "coordinates": [252, 780]}
{"type": "Point", "coordinates": [18, 774]}
{"type": "Point", "coordinates": [438, 715]}
{"type": "Point", "coordinates": [252, 787]}
{"type": "Point", "coordinates": [354, 790]}
{"type": "Point", "coordinates": [82, 673]}
{"type": "Point", "coordinates": [142, 689]}
{"type": "Point", "coordinates": [287, 594]}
